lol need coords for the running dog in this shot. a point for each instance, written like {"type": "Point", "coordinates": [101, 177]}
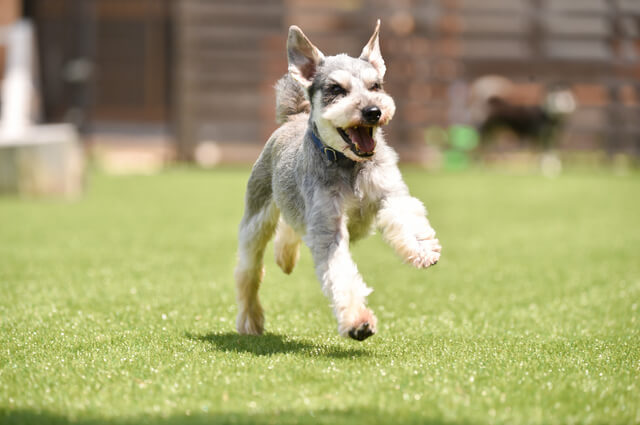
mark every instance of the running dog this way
{"type": "Point", "coordinates": [326, 177]}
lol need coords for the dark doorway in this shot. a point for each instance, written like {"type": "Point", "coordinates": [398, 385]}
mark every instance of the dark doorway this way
{"type": "Point", "coordinates": [104, 62]}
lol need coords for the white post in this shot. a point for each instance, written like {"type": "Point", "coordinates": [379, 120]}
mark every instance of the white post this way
{"type": "Point", "coordinates": [17, 86]}
{"type": "Point", "coordinates": [35, 160]}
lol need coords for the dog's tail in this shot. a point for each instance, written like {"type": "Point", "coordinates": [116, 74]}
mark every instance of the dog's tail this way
{"type": "Point", "coordinates": [290, 99]}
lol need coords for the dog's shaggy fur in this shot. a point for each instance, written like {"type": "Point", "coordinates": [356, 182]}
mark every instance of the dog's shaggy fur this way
{"type": "Point", "coordinates": [300, 193]}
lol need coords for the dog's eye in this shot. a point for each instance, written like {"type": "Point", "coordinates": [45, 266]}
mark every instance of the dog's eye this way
{"type": "Point", "coordinates": [375, 87]}
{"type": "Point", "coordinates": [336, 90]}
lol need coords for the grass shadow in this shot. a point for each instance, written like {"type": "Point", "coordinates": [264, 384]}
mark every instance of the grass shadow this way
{"type": "Point", "coordinates": [352, 416]}
{"type": "Point", "coordinates": [268, 344]}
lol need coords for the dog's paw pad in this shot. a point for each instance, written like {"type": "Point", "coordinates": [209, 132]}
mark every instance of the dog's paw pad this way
{"type": "Point", "coordinates": [362, 332]}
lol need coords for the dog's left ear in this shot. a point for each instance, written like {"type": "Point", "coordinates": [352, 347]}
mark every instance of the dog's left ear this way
{"type": "Point", "coordinates": [371, 52]}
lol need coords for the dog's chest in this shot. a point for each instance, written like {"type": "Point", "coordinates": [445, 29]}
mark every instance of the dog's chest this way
{"type": "Point", "coordinates": [360, 207]}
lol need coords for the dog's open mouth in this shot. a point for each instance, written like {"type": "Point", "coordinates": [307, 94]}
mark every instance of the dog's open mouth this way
{"type": "Point", "coordinates": [359, 139]}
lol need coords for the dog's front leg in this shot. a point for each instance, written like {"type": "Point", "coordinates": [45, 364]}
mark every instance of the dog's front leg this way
{"type": "Point", "coordinates": [404, 225]}
{"type": "Point", "coordinates": [328, 239]}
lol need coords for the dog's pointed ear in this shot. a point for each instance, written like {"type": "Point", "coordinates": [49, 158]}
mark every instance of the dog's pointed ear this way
{"type": "Point", "coordinates": [371, 52]}
{"type": "Point", "coordinates": [303, 56]}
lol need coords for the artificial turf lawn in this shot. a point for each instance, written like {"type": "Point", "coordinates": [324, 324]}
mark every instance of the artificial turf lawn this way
{"type": "Point", "coordinates": [120, 308]}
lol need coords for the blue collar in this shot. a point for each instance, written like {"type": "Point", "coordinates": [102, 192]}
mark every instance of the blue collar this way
{"type": "Point", "coordinates": [331, 154]}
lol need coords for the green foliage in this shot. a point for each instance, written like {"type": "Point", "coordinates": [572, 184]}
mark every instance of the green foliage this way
{"type": "Point", "coordinates": [119, 308]}
{"type": "Point", "coordinates": [456, 143]}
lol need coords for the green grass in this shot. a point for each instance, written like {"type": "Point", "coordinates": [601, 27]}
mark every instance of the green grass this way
{"type": "Point", "coordinates": [119, 308]}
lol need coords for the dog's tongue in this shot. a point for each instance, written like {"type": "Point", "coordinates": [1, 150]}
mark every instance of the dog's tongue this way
{"type": "Point", "coordinates": [362, 137]}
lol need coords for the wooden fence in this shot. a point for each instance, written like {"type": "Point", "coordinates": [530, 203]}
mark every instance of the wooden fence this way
{"type": "Point", "coordinates": [229, 54]}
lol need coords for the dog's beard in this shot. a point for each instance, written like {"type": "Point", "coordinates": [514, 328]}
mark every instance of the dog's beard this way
{"type": "Point", "coordinates": [357, 143]}
{"type": "Point", "coordinates": [346, 119]}
{"type": "Point", "coordinates": [348, 134]}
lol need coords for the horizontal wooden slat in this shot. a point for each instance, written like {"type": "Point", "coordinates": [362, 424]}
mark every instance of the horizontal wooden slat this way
{"type": "Point", "coordinates": [567, 50]}
{"type": "Point", "coordinates": [629, 6]}
{"type": "Point", "coordinates": [578, 26]}
{"type": "Point", "coordinates": [495, 6]}
{"type": "Point", "coordinates": [238, 10]}
{"type": "Point", "coordinates": [577, 6]}
{"type": "Point", "coordinates": [495, 24]}
{"type": "Point", "coordinates": [228, 131]}
{"type": "Point", "coordinates": [495, 49]}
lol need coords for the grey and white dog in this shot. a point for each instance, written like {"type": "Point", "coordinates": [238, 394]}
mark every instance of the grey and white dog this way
{"type": "Point", "coordinates": [326, 177]}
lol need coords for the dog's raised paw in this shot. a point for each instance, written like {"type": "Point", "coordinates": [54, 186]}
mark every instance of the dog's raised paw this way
{"type": "Point", "coordinates": [362, 332]}
{"type": "Point", "coordinates": [428, 254]}
{"type": "Point", "coordinates": [424, 260]}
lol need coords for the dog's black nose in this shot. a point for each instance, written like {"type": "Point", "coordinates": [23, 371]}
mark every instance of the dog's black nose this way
{"type": "Point", "coordinates": [371, 114]}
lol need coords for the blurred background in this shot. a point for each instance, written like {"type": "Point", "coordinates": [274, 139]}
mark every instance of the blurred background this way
{"type": "Point", "coordinates": [520, 83]}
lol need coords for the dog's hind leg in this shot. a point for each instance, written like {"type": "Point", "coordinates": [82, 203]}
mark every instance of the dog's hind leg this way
{"type": "Point", "coordinates": [256, 229]}
{"type": "Point", "coordinates": [286, 246]}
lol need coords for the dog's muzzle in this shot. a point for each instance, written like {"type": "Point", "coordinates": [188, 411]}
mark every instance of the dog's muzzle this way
{"type": "Point", "coordinates": [360, 137]}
